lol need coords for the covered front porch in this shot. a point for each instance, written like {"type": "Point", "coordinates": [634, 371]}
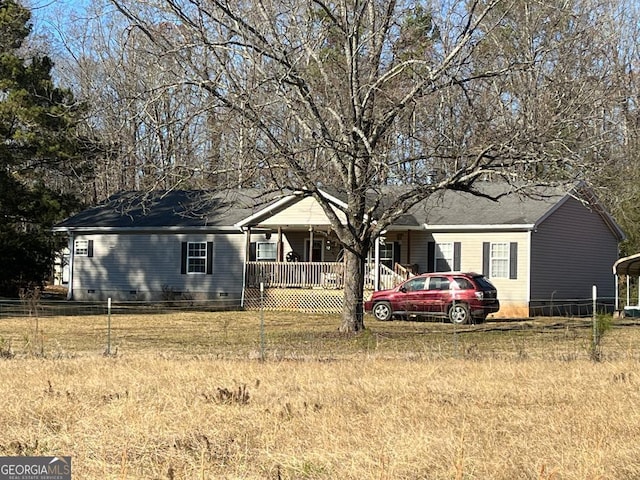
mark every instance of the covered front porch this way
{"type": "Point", "coordinates": [291, 245]}
{"type": "Point", "coordinates": [313, 259]}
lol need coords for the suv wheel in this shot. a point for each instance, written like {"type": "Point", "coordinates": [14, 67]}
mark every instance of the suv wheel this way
{"type": "Point", "coordinates": [382, 311]}
{"type": "Point", "coordinates": [459, 313]}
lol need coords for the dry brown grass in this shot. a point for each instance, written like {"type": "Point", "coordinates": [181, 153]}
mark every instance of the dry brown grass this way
{"type": "Point", "coordinates": [185, 397]}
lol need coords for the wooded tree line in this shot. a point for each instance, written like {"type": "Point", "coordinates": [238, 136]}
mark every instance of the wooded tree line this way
{"type": "Point", "coordinates": [354, 94]}
{"type": "Point", "coordinates": [557, 77]}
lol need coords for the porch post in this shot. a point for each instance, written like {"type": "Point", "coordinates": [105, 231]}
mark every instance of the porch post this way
{"type": "Point", "coordinates": [247, 248]}
{"type": "Point", "coordinates": [311, 244]}
{"type": "Point", "coordinates": [72, 252]}
{"type": "Point", "coordinates": [376, 265]}
{"type": "Point", "coordinates": [280, 246]}
{"type": "Point", "coordinates": [247, 244]}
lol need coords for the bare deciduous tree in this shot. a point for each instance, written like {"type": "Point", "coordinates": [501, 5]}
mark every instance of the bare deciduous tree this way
{"type": "Point", "coordinates": [157, 131]}
{"type": "Point", "coordinates": [356, 94]}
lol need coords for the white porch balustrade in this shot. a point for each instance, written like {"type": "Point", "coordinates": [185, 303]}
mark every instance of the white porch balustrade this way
{"type": "Point", "coordinates": [313, 275]}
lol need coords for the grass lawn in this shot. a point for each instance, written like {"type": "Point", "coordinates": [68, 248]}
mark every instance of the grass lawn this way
{"type": "Point", "coordinates": [185, 395]}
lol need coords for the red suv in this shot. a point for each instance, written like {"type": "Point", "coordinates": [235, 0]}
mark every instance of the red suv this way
{"type": "Point", "coordinates": [457, 296]}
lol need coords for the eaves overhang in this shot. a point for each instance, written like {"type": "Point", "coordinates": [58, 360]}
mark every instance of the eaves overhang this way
{"type": "Point", "coordinates": [404, 228]}
{"type": "Point", "coordinates": [171, 229]}
{"type": "Point", "coordinates": [523, 227]}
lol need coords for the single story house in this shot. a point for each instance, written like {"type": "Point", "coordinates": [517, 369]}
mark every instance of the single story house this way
{"type": "Point", "coordinates": [544, 249]}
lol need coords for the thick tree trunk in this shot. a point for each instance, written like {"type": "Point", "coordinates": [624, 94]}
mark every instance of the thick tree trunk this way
{"type": "Point", "coordinates": [353, 310]}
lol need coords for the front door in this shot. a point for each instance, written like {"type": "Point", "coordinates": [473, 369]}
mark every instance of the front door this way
{"type": "Point", "coordinates": [317, 254]}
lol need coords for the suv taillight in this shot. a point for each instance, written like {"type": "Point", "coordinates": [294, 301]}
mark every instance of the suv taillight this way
{"type": "Point", "coordinates": [479, 295]}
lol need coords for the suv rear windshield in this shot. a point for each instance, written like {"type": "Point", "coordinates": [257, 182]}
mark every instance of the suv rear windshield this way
{"type": "Point", "coordinates": [483, 283]}
{"type": "Point", "coordinates": [463, 283]}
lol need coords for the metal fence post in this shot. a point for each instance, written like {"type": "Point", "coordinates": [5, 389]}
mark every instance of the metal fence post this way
{"type": "Point", "coordinates": [109, 326]}
{"type": "Point", "coordinates": [262, 321]}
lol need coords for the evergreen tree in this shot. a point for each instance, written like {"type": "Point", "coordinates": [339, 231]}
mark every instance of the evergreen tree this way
{"type": "Point", "coordinates": [38, 155]}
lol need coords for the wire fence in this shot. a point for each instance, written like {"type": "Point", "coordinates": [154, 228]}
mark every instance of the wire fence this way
{"type": "Point", "coordinates": [63, 308]}
{"type": "Point", "coordinates": [58, 307]}
{"type": "Point", "coordinates": [60, 329]}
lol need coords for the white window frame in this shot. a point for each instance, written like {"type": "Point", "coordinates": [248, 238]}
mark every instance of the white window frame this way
{"type": "Point", "coordinates": [440, 255]}
{"type": "Point", "coordinates": [270, 255]}
{"type": "Point", "coordinates": [387, 253]}
{"type": "Point", "coordinates": [81, 248]}
{"type": "Point", "coordinates": [197, 258]}
{"type": "Point", "coordinates": [499, 258]}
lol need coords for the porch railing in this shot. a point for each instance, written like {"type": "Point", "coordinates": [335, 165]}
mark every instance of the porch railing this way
{"type": "Point", "coordinates": [314, 274]}
{"type": "Point", "coordinates": [295, 274]}
{"type": "Point", "coordinates": [405, 271]}
{"type": "Point", "coordinates": [388, 278]}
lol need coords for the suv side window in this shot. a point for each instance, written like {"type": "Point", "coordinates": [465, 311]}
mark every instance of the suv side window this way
{"type": "Point", "coordinates": [414, 284]}
{"type": "Point", "coordinates": [438, 283]}
{"type": "Point", "coordinates": [463, 283]}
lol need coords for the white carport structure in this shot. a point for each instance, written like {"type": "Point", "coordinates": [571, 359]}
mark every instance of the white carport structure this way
{"type": "Point", "coordinates": [629, 267]}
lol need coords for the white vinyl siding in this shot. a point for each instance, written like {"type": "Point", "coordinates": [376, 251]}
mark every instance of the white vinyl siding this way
{"type": "Point", "coordinates": [510, 291]}
{"type": "Point", "coordinates": [143, 266]}
{"type": "Point", "coordinates": [303, 213]}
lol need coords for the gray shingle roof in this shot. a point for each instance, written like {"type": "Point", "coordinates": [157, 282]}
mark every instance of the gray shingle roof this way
{"type": "Point", "coordinates": [202, 209]}
{"type": "Point", "coordinates": [177, 208]}
{"type": "Point", "coordinates": [461, 208]}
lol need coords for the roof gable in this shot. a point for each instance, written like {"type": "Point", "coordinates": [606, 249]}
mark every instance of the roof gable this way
{"type": "Point", "coordinates": [298, 209]}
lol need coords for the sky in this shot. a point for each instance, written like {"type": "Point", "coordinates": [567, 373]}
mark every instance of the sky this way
{"type": "Point", "coordinates": [53, 15]}
{"type": "Point", "coordinates": [49, 8]}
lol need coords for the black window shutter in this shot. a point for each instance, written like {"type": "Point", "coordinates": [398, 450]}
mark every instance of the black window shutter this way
{"type": "Point", "coordinates": [513, 260]}
{"type": "Point", "coordinates": [253, 256]}
{"type": "Point", "coordinates": [457, 247]}
{"type": "Point", "coordinates": [183, 259]}
{"type": "Point", "coordinates": [90, 248]}
{"type": "Point", "coordinates": [431, 256]}
{"type": "Point", "coordinates": [396, 253]}
{"type": "Point", "coordinates": [209, 258]}
{"type": "Point", "coordinates": [486, 254]}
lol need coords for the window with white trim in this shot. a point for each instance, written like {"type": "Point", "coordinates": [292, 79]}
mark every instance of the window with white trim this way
{"type": "Point", "coordinates": [499, 260]}
{"type": "Point", "coordinates": [81, 248]}
{"type": "Point", "coordinates": [197, 257]}
{"type": "Point", "coordinates": [266, 252]}
{"type": "Point", "coordinates": [444, 257]}
{"type": "Point", "coordinates": [387, 254]}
